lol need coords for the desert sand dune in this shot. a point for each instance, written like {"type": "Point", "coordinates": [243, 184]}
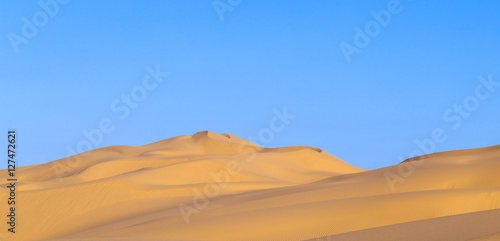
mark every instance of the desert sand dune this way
{"type": "Point", "coordinates": [456, 227]}
{"type": "Point", "coordinates": [210, 186]}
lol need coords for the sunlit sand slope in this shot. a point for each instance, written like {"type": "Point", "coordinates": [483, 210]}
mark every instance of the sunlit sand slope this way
{"type": "Point", "coordinates": [210, 186]}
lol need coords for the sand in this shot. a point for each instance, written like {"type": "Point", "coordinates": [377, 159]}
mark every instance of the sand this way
{"type": "Point", "coordinates": [210, 186]}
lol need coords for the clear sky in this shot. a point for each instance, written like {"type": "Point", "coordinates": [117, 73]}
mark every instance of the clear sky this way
{"type": "Point", "coordinates": [362, 86]}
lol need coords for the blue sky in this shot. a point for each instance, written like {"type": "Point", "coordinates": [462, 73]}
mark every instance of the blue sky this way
{"type": "Point", "coordinates": [231, 74]}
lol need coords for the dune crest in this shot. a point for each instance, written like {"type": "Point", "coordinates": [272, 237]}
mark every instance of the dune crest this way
{"type": "Point", "coordinates": [210, 186]}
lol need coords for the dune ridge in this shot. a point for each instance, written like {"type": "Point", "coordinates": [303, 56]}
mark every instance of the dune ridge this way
{"type": "Point", "coordinates": [210, 186]}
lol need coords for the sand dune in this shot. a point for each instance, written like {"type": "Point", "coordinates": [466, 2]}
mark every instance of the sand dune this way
{"type": "Point", "coordinates": [210, 186]}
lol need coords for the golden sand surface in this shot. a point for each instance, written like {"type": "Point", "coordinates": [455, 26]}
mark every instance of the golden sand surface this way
{"type": "Point", "coordinates": [210, 186]}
